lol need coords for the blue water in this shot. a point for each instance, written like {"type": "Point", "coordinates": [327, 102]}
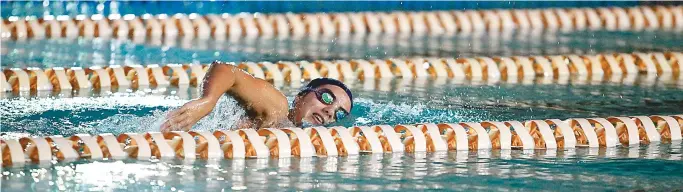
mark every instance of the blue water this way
{"type": "Point", "coordinates": [39, 8]}
{"type": "Point", "coordinates": [646, 167]}
{"type": "Point", "coordinates": [84, 52]}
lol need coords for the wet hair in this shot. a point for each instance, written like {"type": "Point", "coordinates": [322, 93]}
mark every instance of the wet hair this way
{"type": "Point", "coordinates": [315, 83]}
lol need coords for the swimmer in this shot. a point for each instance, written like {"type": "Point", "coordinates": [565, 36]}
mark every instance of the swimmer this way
{"type": "Point", "coordinates": [321, 102]}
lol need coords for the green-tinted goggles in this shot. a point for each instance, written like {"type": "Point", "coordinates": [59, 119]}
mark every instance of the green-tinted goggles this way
{"type": "Point", "coordinates": [326, 97]}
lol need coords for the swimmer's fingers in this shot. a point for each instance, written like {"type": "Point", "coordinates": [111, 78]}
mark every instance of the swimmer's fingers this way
{"type": "Point", "coordinates": [173, 123]}
{"type": "Point", "coordinates": [176, 112]}
{"type": "Point", "coordinates": [185, 124]}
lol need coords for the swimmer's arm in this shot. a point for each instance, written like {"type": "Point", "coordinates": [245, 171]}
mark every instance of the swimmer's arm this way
{"type": "Point", "coordinates": [220, 78]}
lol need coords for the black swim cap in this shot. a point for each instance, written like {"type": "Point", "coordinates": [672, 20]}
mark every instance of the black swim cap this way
{"type": "Point", "coordinates": [315, 83]}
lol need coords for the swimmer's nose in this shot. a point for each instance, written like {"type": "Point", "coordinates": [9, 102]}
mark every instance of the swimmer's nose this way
{"type": "Point", "coordinates": [328, 114]}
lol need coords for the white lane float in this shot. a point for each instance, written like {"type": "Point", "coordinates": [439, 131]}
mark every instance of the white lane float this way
{"type": "Point", "coordinates": [272, 72]}
{"type": "Point", "coordinates": [388, 23]}
{"type": "Point", "coordinates": [560, 66]}
{"type": "Point", "coordinates": [78, 78]}
{"type": "Point", "coordinates": [232, 144]}
{"type": "Point", "coordinates": [39, 80]}
{"type": "Point", "coordinates": [160, 147]}
{"type": "Point", "coordinates": [665, 17]}
{"type": "Point", "coordinates": [176, 74]}
{"type": "Point", "coordinates": [651, 21]}
{"type": "Point", "coordinates": [578, 18]}
{"type": "Point", "coordinates": [134, 145]}
{"type": "Point", "coordinates": [324, 143]}
{"type": "Point", "coordinates": [35, 29]}
{"type": "Point", "coordinates": [87, 146]}
{"type": "Point", "coordinates": [608, 19]}
{"type": "Point", "coordinates": [542, 66]}
{"type": "Point", "coordinates": [547, 138]}
{"type": "Point", "coordinates": [663, 65]}
{"type": "Point", "coordinates": [63, 148]}
{"type": "Point", "coordinates": [254, 144]}
{"type": "Point", "coordinates": [346, 144]}
{"type": "Point", "coordinates": [367, 139]}
{"type": "Point", "coordinates": [217, 26]}
{"type": "Point", "coordinates": [418, 25]}
{"type": "Point", "coordinates": [58, 78]}
{"type": "Point", "coordinates": [36, 149]}
{"type": "Point", "coordinates": [326, 24]}
{"type": "Point", "coordinates": [437, 68]}
{"type": "Point", "coordinates": [585, 133]}
{"type": "Point", "coordinates": [463, 23]}
{"type": "Point", "coordinates": [667, 127]}
{"type": "Point", "coordinates": [281, 26]}
{"type": "Point", "coordinates": [623, 20]}
{"type": "Point", "coordinates": [137, 76]}
{"type": "Point", "coordinates": [111, 148]}
{"type": "Point", "coordinates": [403, 23]}
{"type": "Point", "coordinates": [521, 139]}
{"type": "Point", "coordinates": [327, 69]}
{"type": "Point", "coordinates": [499, 134]}
{"type": "Point", "coordinates": [492, 73]}
{"type": "Point", "coordinates": [277, 142]}
{"type": "Point", "coordinates": [398, 67]}
{"type": "Point", "coordinates": [118, 76]}
{"type": "Point", "coordinates": [637, 18]}
{"type": "Point", "coordinates": [594, 20]}
{"type": "Point", "coordinates": [18, 79]}
{"type": "Point", "coordinates": [208, 146]}
{"type": "Point", "coordinates": [605, 131]}
{"type": "Point", "coordinates": [265, 25]}
{"type": "Point", "coordinates": [478, 137]}
{"type": "Point", "coordinates": [183, 144]}
{"type": "Point", "coordinates": [646, 125]}
{"type": "Point", "coordinates": [342, 24]}
{"type": "Point", "coordinates": [302, 146]}
{"type": "Point", "coordinates": [433, 137]}
{"type": "Point", "coordinates": [390, 140]}
{"type": "Point", "coordinates": [492, 21]}
{"type": "Point", "coordinates": [564, 19]}
{"type": "Point", "coordinates": [627, 130]}
{"type": "Point", "coordinates": [197, 73]}
{"type": "Point", "coordinates": [447, 21]}
{"type": "Point", "coordinates": [12, 153]}
{"type": "Point", "coordinates": [550, 20]}
{"type": "Point", "coordinates": [413, 138]}
{"type": "Point", "coordinates": [290, 71]}
{"type": "Point", "coordinates": [577, 65]}
{"type": "Point", "coordinates": [563, 133]}
{"type": "Point", "coordinates": [645, 64]}
{"type": "Point", "coordinates": [373, 23]}
{"type": "Point", "coordinates": [99, 77]}
{"type": "Point", "coordinates": [310, 71]}
{"type": "Point", "coordinates": [296, 25]}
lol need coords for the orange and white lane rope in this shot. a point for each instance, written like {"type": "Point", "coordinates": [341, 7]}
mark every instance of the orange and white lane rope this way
{"type": "Point", "coordinates": [663, 66]}
{"type": "Point", "coordinates": [342, 24]}
{"type": "Point", "coordinates": [550, 134]}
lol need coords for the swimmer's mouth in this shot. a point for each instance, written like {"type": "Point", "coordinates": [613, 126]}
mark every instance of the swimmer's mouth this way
{"type": "Point", "coordinates": [318, 119]}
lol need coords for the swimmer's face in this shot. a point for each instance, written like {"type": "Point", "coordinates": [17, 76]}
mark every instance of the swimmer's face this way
{"type": "Point", "coordinates": [324, 105]}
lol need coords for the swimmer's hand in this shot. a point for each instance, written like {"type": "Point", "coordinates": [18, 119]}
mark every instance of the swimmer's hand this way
{"type": "Point", "coordinates": [184, 118]}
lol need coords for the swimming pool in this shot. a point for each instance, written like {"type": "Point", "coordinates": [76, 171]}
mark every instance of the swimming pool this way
{"type": "Point", "coordinates": [382, 101]}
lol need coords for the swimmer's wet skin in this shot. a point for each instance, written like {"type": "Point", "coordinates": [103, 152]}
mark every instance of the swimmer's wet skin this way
{"type": "Point", "coordinates": [321, 102]}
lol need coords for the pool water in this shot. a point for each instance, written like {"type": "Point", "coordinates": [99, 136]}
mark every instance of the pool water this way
{"type": "Point", "coordinates": [396, 101]}
{"type": "Point", "coordinates": [643, 168]}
